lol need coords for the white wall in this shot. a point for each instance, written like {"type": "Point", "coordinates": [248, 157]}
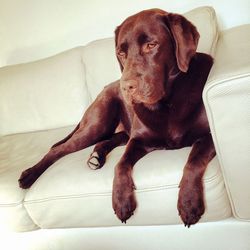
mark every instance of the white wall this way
{"type": "Point", "coordinates": [34, 29]}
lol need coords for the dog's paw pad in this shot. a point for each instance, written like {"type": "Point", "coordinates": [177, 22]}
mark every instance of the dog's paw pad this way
{"type": "Point", "coordinates": [94, 161]}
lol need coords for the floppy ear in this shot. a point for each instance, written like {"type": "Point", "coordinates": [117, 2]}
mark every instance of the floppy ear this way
{"type": "Point", "coordinates": [117, 30]}
{"type": "Point", "coordinates": [186, 39]}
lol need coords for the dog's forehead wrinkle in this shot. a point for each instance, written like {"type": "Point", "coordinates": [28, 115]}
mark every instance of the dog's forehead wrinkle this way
{"type": "Point", "coordinates": [142, 34]}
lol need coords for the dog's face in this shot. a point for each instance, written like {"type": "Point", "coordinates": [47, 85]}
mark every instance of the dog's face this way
{"type": "Point", "coordinates": [150, 46]}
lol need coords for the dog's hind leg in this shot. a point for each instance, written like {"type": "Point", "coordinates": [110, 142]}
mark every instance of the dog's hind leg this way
{"type": "Point", "coordinates": [103, 148]}
{"type": "Point", "coordinates": [99, 123]}
{"type": "Point", "coordinates": [67, 137]}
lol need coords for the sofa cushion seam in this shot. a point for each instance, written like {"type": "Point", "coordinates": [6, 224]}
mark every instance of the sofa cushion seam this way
{"type": "Point", "coordinates": [109, 193]}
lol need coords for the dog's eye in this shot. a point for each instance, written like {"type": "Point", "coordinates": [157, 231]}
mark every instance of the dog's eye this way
{"type": "Point", "coordinates": [121, 53]}
{"type": "Point", "coordinates": [147, 47]}
{"type": "Point", "coordinates": [151, 45]}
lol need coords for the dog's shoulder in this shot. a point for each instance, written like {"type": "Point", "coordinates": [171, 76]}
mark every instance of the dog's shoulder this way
{"type": "Point", "coordinates": [206, 60]}
{"type": "Point", "coordinates": [201, 63]}
{"type": "Point", "coordinates": [199, 69]}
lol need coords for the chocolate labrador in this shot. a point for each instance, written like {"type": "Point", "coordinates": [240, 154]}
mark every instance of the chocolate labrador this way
{"type": "Point", "coordinates": [157, 104]}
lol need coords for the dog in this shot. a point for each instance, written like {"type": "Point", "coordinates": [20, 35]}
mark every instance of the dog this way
{"type": "Point", "coordinates": [157, 104]}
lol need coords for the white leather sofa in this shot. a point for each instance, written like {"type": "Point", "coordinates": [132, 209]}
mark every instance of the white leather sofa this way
{"type": "Point", "coordinates": [69, 206]}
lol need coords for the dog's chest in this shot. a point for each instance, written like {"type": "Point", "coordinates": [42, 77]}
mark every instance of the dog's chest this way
{"type": "Point", "coordinates": [174, 133]}
{"type": "Point", "coordinates": [166, 125]}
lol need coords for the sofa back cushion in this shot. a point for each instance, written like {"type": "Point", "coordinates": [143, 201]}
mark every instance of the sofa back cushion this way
{"type": "Point", "coordinates": [42, 95]}
{"type": "Point", "coordinates": [101, 64]}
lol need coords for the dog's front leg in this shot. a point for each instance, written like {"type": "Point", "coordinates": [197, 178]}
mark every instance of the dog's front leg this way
{"type": "Point", "coordinates": [123, 198]}
{"type": "Point", "coordinates": [191, 201]}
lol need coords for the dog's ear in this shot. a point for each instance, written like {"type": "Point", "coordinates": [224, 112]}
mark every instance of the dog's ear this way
{"type": "Point", "coordinates": [117, 31]}
{"type": "Point", "coordinates": [186, 39]}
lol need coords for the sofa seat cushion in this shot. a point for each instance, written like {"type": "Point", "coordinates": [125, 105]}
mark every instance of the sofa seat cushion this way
{"type": "Point", "coordinates": [69, 194]}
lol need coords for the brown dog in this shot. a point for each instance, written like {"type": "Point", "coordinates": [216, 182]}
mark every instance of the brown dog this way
{"type": "Point", "coordinates": [157, 104]}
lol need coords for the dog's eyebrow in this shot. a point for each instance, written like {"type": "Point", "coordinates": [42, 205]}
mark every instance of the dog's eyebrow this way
{"type": "Point", "coordinates": [124, 46]}
{"type": "Point", "coordinates": [142, 38]}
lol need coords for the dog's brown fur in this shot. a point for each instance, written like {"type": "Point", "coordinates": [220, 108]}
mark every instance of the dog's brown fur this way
{"type": "Point", "coordinates": [157, 104]}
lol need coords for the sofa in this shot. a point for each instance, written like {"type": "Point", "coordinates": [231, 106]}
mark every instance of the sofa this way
{"type": "Point", "coordinates": [69, 206]}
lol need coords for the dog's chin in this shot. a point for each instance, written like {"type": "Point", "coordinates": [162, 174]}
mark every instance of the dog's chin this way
{"type": "Point", "coordinates": [147, 101]}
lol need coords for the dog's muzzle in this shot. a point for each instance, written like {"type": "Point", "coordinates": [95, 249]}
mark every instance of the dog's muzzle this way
{"type": "Point", "coordinates": [129, 89]}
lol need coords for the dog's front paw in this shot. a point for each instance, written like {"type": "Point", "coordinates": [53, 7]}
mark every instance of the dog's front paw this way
{"type": "Point", "coordinates": [96, 161]}
{"type": "Point", "coordinates": [190, 202]}
{"type": "Point", "coordinates": [27, 178]}
{"type": "Point", "coordinates": [123, 198]}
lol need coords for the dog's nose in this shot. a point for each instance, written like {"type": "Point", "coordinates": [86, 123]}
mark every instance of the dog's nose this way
{"type": "Point", "coordinates": [129, 85]}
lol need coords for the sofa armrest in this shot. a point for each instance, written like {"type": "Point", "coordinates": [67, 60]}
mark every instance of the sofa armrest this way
{"type": "Point", "coordinates": [227, 101]}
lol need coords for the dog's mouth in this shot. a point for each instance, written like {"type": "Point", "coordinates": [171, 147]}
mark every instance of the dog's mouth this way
{"type": "Point", "coordinates": [138, 96]}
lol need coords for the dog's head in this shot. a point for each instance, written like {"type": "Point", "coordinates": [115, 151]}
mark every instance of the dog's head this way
{"type": "Point", "coordinates": [151, 47]}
